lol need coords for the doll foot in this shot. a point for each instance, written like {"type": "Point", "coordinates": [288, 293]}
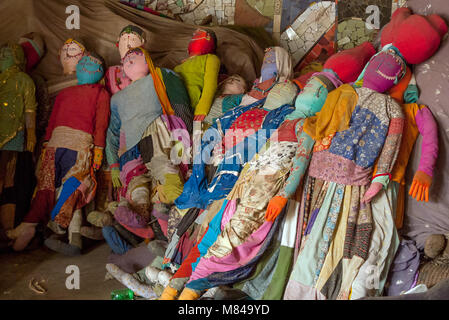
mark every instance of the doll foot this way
{"type": "Point", "coordinates": [434, 245]}
{"type": "Point", "coordinates": [169, 293]}
{"type": "Point", "coordinates": [22, 235]}
{"type": "Point", "coordinates": [188, 294]}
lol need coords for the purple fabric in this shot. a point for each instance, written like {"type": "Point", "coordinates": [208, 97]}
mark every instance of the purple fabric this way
{"type": "Point", "coordinates": [127, 217]}
{"type": "Point", "coordinates": [240, 255]}
{"type": "Point", "coordinates": [379, 68]}
{"type": "Point", "coordinates": [429, 148]}
{"type": "Point", "coordinates": [159, 215]}
{"type": "Point", "coordinates": [228, 213]}
{"type": "Point", "coordinates": [426, 218]}
{"type": "Point", "coordinates": [311, 221]}
{"type": "Point", "coordinates": [331, 76]}
{"type": "Point", "coordinates": [404, 268]}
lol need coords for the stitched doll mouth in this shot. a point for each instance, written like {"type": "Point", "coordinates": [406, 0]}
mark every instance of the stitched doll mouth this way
{"type": "Point", "coordinates": [383, 75]}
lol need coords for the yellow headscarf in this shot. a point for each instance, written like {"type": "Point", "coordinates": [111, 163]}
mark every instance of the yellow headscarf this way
{"type": "Point", "coordinates": [158, 83]}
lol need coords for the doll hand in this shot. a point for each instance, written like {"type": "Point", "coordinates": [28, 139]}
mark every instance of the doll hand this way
{"type": "Point", "coordinates": [98, 158]}
{"type": "Point", "coordinates": [31, 140]}
{"type": "Point", "coordinates": [275, 207]}
{"type": "Point", "coordinates": [373, 189]}
{"type": "Point", "coordinates": [115, 175]}
{"type": "Point", "coordinates": [199, 117]}
{"type": "Point", "coordinates": [420, 186]}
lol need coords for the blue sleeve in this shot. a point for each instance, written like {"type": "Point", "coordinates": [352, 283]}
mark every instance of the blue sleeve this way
{"type": "Point", "coordinates": [113, 136]}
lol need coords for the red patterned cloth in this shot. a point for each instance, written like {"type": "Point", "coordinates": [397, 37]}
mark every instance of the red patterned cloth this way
{"type": "Point", "coordinates": [246, 124]}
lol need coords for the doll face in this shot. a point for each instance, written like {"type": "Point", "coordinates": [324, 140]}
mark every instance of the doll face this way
{"type": "Point", "coordinates": [89, 70]}
{"type": "Point", "coordinates": [71, 53]}
{"type": "Point", "coordinates": [135, 65]}
{"type": "Point", "coordinates": [312, 98]}
{"type": "Point", "coordinates": [6, 58]}
{"type": "Point", "coordinates": [269, 69]}
{"type": "Point", "coordinates": [282, 93]}
{"type": "Point", "coordinates": [383, 71]}
{"type": "Point", "coordinates": [129, 41]}
{"type": "Point", "coordinates": [234, 85]}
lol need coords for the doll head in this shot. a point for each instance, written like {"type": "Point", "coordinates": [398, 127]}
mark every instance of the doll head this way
{"type": "Point", "coordinates": [312, 97]}
{"type": "Point", "coordinates": [135, 64]}
{"type": "Point", "coordinates": [130, 37]}
{"type": "Point", "coordinates": [383, 71]}
{"type": "Point", "coordinates": [11, 55]}
{"type": "Point", "coordinates": [202, 42]}
{"type": "Point", "coordinates": [348, 64]}
{"type": "Point", "coordinates": [281, 94]}
{"type": "Point", "coordinates": [70, 54]}
{"type": "Point", "coordinates": [416, 37]}
{"type": "Point", "coordinates": [269, 69]}
{"type": "Point", "coordinates": [90, 69]}
{"type": "Point", "coordinates": [277, 63]}
{"type": "Point", "coordinates": [34, 47]}
{"type": "Point", "coordinates": [234, 84]}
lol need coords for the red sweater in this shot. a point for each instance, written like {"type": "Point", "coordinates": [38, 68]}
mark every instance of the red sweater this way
{"type": "Point", "coordinates": [83, 107]}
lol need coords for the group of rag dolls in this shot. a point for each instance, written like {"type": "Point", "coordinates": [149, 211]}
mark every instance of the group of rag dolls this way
{"type": "Point", "coordinates": [293, 189]}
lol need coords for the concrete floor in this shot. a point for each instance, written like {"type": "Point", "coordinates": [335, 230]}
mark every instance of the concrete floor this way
{"type": "Point", "coordinates": [17, 269]}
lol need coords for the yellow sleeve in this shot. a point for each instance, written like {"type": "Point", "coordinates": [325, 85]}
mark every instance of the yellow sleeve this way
{"type": "Point", "coordinates": [29, 94]}
{"type": "Point", "coordinates": [210, 85]}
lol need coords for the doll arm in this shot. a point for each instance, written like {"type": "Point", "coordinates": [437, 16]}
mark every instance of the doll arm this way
{"type": "Point", "coordinates": [53, 119]}
{"type": "Point", "coordinates": [102, 115]}
{"type": "Point", "coordinates": [300, 161]}
{"type": "Point", "coordinates": [113, 137]}
{"type": "Point", "coordinates": [297, 172]}
{"type": "Point", "coordinates": [429, 153]}
{"type": "Point", "coordinates": [388, 154]}
{"type": "Point", "coordinates": [29, 97]}
{"type": "Point", "coordinates": [428, 128]}
{"type": "Point", "coordinates": [210, 87]}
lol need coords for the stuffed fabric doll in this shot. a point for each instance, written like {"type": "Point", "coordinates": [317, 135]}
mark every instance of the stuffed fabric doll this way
{"type": "Point", "coordinates": [17, 122]}
{"type": "Point", "coordinates": [388, 206]}
{"type": "Point", "coordinates": [139, 142]}
{"type": "Point", "coordinates": [200, 75]}
{"type": "Point", "coordinates": [365, 126]}
{"type": "Point", "coordinates": [19, 182]}
{"type": "Point", "coordinates": [75, 137]}
{"type": "Point", "coordinates": [130, 37]}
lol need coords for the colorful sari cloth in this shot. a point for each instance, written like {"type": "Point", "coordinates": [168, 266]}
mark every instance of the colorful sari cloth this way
{"type": "Point", "coordinates": [243, 229]}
